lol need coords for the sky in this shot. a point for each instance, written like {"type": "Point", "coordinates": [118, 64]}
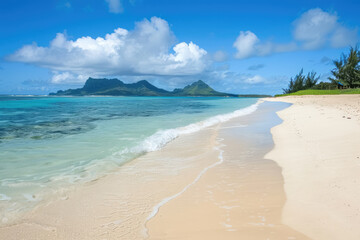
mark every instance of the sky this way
{"type": "Point", "coordinates": [252, 47]}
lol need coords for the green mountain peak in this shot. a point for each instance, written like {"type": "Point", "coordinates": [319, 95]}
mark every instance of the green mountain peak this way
{"type": "Point", "coordinates": [115, 87]}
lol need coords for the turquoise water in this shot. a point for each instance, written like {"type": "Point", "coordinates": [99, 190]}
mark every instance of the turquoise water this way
{"type": "Point", "coordinates": [48, 143]}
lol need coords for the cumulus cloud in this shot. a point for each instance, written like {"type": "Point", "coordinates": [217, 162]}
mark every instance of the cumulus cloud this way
{"type": "Point", "coordinates": [145, 50]}
{"type": "Point", "coordinates": [115, 6]}
{"type": "Point", "coordinates": [248, 45]}
{"type": "Point", "coordinates": [316, 28]}
{"type": "Point", "coordinates": [67, 77]}
{"type": "Point", "coordinates": [313, 29]}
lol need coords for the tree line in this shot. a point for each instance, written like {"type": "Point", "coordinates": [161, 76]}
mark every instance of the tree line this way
{"type": "Point", "coordinates": [346, 73]}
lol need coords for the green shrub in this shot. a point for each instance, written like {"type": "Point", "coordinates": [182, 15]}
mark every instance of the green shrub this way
{"type": "Point", "coordinates": [347, 69]}
{"type": "Point", "coordinates": [301, 82]}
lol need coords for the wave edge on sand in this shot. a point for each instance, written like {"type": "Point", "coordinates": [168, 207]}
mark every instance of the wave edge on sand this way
{"type": "Point", "coordinates": [157, 207]}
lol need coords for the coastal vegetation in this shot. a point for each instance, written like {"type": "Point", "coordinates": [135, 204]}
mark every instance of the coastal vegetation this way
{"type": "Point", "coordinates": [345, 78]}
{"type": "Point", "coordinates": [347, 69]}
{"type": "Point", "coordinates": [301, 82]}
{"type": "Point", "coordinates": [322, 92]}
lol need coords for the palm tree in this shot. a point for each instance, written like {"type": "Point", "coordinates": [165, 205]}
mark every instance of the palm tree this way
{"type": "Point", "coordinates": [347, 69]}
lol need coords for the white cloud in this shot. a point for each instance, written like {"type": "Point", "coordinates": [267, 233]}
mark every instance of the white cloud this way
{"type": "Point", "coordinates": [67, 77]}
{"type": "Point", "coordinates": [145, 50]}
{"type": "Point", "coordinates": [249, 45]}
{"type": "Point", "coordinates": [316, 28]}
{"type": "Point", "coordinates": [115, 6]}
{"type": "Point", "coordinates": [235, 82]}
{"type": "Point", "coordinates": [255, 79]}
{"type": "Point", "coordinates": [234, 78]}
{"type": "Point", "coordinates": [344, 37]}
{"type": "Point", "coordinates": [246, 44]}
{"type": "Point", "coordinates": [313, 29]}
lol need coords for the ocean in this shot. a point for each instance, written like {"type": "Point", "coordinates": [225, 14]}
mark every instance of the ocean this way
{"type": "Point", "coordinates": [48, 144]}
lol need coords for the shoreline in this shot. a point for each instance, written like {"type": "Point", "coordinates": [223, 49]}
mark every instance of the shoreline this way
{"type": "Point", "coordinates": [120, 204]}
{"type": "Point", "coordinates": [151, 143]}
{"type": "Point", "coordinates": [281, 172]}
{"type": "Point", "coordinates": [240, 199]}
{"type": "Point", "coordinates": [317, 147]}
{"type": "Point", "coordinates": [117, 204]}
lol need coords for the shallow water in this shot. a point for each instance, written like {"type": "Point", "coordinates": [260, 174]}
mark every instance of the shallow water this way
{"type": "Point", "coordinates": [48, 143]}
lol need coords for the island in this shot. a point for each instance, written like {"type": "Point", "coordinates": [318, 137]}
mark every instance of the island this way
{"type": "Point", "coordinates": [115, 87]}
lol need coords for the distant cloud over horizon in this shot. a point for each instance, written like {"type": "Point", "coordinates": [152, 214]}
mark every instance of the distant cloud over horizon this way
{"type": "Point", "coordinates": [312, 30]}
{"type": "Point", "coordinates": [145, 50]}
{"type": "Point", "coordinates": [255, 79]}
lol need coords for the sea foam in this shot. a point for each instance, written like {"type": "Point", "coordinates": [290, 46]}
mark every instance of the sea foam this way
{"type": "Point", "coordinates": [161, 138]}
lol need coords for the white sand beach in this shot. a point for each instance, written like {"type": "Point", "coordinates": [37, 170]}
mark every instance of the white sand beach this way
{"type": "Point", "coordinates": [233, 180]}
{"type": "Point", "coordinates": [318, 148]}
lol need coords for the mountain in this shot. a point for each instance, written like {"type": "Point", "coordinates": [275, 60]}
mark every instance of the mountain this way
{"type": "Point", "coordinates": [115, 87]}
{"type": "Point", "coordinates": [200, 88]}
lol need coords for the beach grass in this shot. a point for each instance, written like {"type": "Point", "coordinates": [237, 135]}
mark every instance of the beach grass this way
{"type": "Point", "coordinates": [321, 92]}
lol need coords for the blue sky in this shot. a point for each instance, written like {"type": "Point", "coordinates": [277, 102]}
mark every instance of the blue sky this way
{"type": "Point", "coordinates": [235, 46]}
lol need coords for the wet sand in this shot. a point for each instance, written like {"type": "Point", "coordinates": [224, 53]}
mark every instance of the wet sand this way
{"type": "Point", "coordinates": [242, 198]}
{"type": "Point", "coordinates": [212, 184]}
{"type": "Point", "coordinates": [117, 206]}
